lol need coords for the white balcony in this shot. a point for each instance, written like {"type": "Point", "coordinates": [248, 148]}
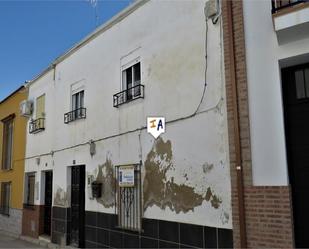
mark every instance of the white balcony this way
{"type": "Point", "coordinates": [291, 20]}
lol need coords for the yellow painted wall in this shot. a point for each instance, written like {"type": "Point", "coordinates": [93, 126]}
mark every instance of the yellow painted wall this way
{"type": "Point", "coordinates": [16, 174]}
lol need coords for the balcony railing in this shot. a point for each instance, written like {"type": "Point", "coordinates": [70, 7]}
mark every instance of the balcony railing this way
{"type": "Point", "coordinates": [37, 125]}
{"type": "Point", "coordinates": [128, 95]}
{"type": "Point", "coordinates": [281, 4]}
{"type": "Point", "coordinates": [79, 113]}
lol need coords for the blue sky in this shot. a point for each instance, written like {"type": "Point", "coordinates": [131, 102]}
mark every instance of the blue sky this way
{"type": "Point", "coordinates": [34, 33]}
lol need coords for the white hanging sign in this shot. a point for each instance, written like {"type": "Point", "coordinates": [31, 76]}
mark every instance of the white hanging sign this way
{"type": "Point", "coordinates": [126, 176]}
{"type": "Point", "coordinates": [155, 126]}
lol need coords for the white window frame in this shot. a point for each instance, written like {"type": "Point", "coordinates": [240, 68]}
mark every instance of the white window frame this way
{"type": "Point", "coordinates": [123, 80]}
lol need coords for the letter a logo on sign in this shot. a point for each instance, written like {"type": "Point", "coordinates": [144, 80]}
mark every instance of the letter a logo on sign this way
{"type": "Point", "coordinates": [155, 126]}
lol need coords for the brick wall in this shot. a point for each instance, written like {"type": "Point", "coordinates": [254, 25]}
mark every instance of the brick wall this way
{"type": "Point", "coordinates": [268, 210]}
{"type": "Point", "coordinates": [269, 217]}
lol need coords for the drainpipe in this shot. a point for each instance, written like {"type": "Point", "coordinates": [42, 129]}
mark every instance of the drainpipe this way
{"type": "Point", "coordinates": [239, 170]}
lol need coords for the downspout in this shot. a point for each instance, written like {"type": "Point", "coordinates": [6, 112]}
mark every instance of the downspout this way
{"type": "Point", "coordinates": [239, 170]}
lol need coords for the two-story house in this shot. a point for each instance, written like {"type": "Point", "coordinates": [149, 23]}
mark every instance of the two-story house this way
{"type": "Point", "coordinates": [88, 130]}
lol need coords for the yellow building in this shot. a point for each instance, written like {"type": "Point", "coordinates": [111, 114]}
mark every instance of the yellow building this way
{"type": "Point", "coordinates": [12, 153]}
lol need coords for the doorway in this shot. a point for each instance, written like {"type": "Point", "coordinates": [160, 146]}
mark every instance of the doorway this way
{"type": "Point", "coordinates": [77, 205]}
{"type": "Point", "coordinates": [295, 81]}
{"type": "Point", "coordinates": [48, 202]}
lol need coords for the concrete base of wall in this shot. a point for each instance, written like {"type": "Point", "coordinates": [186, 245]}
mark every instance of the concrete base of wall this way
{"type": "Point", "coordinates": [12, 223]}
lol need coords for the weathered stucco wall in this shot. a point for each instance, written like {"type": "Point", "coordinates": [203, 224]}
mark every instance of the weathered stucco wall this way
{"type": "Point", "coordinates": [186, 171]}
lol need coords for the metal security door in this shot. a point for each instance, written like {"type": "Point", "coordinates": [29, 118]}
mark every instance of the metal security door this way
{"type": "Point", "coordinates": [77, 206]}
{"type": "Point", "coordinates": [129, 196]}
{"type": "Point", "coordinates": [296, 106]}
{"type": "Point", "coordinates": [48, 201]}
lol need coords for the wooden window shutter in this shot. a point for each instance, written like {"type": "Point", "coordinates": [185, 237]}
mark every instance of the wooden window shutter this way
{"type": "Point", "coordinates": [40, 107]}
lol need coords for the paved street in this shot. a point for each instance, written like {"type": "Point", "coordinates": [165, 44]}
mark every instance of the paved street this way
{"type": "Point", "coordinates": [11, 242]}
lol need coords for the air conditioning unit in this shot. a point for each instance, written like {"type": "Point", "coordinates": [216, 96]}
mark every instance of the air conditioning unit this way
{"type": "Point", "coordinates": [26, 108]}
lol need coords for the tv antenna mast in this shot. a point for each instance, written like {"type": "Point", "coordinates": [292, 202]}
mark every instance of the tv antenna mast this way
{"type": "Point", "coordinates": [94, 5]}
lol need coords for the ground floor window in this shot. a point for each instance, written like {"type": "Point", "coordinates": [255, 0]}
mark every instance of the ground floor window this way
{"type": "Point", "coordinates": [30, 189]}
{"type": "Point", "coordinates": [5, 198]}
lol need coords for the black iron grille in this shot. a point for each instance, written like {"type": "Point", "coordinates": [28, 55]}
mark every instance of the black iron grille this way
{"type": "Point", "coordinates": [129, 205]}
{"type": "Point", "coordinates": [281, 4]}
{"type": "Point", "coordinates": [128, 95]}
{"type": "Point", "coordinates": [37, 125]}
{"type": "Point", "coordinates": [79, 113]}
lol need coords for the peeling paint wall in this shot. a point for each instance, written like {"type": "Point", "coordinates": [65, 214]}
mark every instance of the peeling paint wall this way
{"type": "Point", "coordinates": [106, 176]}
{"type": "Point", "coordinates": [185, 172]}
{"type": "Point", "coordinates": [164, 192]}
{"type": "Point", "coordinates": [61, 197]}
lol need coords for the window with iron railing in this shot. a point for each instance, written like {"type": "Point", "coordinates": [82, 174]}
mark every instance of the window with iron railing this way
{"type": "Point", "coordinates": [38, 124]}
{"type": "Point", "coordinates": [131, 85]}
{"type": "Point", "coordinates": [78, 109]}
{"type": "Point", "coordinates": [278, 5]}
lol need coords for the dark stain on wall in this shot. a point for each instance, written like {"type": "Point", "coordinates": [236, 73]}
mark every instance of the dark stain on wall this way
{"type": "Point", "coordinates": [163, 192]}
{"type": "Point", "coordinates": [107, 178]}
{"type": "Point", "coordinates": [60, 198]}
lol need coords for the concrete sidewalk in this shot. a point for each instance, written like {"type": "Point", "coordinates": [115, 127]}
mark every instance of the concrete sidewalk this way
{"type": "Point", "coordinates": [9, 241]}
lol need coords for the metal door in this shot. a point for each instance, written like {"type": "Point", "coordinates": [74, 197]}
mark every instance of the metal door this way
{"type": "Point", "coordinates": [77, 206]}
{"type": "Point", "coordinates": [48, 201]}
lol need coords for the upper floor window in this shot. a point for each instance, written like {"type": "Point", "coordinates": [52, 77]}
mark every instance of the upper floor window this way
{"type": "Point", "coordinates": [7, 147]}
{"type": "Point", "coordinates": [38, 124]}
{"type": "Point", "coordinates": [131, 85]}
{"type": "Point", "coordinates": [5, 198]}
{"type": "Point", "coordinates": [131, 78]}
{"type": "Point", "coordinates": [40, 107]}
{"type": "Point", "coordinates": [78, 109]}
{"type": "Point", "coordinates": [78, 100]}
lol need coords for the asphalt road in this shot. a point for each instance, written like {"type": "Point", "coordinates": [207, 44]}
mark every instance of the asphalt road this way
{"type": "Point", "coordinates": [11, 242]}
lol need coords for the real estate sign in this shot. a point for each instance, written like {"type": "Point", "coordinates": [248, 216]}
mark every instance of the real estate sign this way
{"type": "Point", "coordinates": [126, 176]}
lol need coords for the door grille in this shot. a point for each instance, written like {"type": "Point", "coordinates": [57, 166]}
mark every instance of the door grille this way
{"type": "Point", "coordinates": [128, 199]}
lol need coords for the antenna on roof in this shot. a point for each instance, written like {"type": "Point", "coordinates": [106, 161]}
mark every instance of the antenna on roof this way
{"type": "Point", "coordinates": [94, 5]}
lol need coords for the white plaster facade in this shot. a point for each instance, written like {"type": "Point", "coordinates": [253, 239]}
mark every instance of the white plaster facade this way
{"type": "Point", "coordinates": [265, 58]}
{"type": "Point", "coordinates": [168, 38]}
